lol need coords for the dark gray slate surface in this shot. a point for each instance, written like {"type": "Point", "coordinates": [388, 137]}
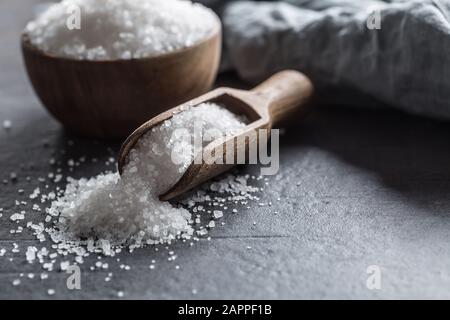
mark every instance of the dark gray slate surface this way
{"type": "Point", "coordinates": [357, 188]}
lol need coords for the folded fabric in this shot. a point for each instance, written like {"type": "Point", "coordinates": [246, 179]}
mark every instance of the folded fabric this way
{"type": "Point", "coordinates": [356, 52]}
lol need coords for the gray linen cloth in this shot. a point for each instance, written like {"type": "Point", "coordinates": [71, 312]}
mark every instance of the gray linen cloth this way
{"type": "Point", "coordinates": [404, 64]}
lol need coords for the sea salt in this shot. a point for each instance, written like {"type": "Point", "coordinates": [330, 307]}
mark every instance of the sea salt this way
{"type": "Point", "coordinates": [64, 265]}
{"type": "Point", "coordinates": [15, 248]}
{"type": "Point", "coordinates": [7, 124]}
{"type": "Point", "coordinates": [218, 214]}
{"type": "Point", "coordinates": [31, 254]}
{"type": "Point", "coordinates": [17, 216]}
{"type": "Point", "coordinates": [111, 210]}
{"type": "Point", "coordinates": [35, 193]}
{"type": "Point", "coordinates": [13, 176]}
{"type": "Point", "coordinates": [120, 29]}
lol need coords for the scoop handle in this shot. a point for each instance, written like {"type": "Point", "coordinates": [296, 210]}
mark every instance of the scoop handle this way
{"type": "Point", "coordinates": [287, 92]}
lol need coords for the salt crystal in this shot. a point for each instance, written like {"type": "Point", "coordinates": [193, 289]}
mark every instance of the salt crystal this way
{"type": "Point", "coordinates": [217, 214]}
{"type": "Point", "coordinates": [7, 124]}
{"type": "Point", "coordinates": [48, 266]}
{"type": "Point", "coordinates": [15, 248]}
{"type": "Point", "coordinates": [35, 193]}
{"type": "Point", "coordinates": [13, 176]}
{"type": "Point", "coordinates": [64, 265]}
{"type": "Point", "coordinates": [17, 216]}
{"type": "Point", "coordinates": [31, 254]}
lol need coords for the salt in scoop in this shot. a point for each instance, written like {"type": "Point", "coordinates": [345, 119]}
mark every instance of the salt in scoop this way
{"type": "Point", "coordinates": [269, 103]}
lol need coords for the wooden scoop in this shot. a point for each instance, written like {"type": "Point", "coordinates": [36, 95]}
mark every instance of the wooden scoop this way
{"type": "Point", "coordinates": [272, 101]}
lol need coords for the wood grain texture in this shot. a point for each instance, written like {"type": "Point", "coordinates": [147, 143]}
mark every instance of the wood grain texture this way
{"type": "Point", "coordinates": [108, 99]}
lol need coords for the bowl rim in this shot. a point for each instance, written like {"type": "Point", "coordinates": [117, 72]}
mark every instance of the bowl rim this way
{"type": "Point", "coordinates": [216, 32]}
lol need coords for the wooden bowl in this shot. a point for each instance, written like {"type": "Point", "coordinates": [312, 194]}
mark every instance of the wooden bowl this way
{"type": "Point", "coordinates": [109, 99]}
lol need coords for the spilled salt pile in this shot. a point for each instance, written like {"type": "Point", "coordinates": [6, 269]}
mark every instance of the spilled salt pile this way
{"type": "Point", "coordinates": [112, 210]}
{"type": "Point", "coordinates": [59, 242]}
{"type": "Point", "coordinates": [119, 29]}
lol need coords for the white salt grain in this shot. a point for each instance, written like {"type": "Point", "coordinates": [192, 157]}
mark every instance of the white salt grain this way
{"type": "Point", "coordinates": [120, 29]}
{"type": "Point", "coordinates": [217, 214]}
{"type": "Point", "coordinates": [7, 124]}
{"type": "Point", "coordinates": [31, 254]}
{"type": "Point", "coordinates": [15, 248]}
{"type": "Point", "coordinates": [17, 216]}
{"type": "Point", "coordinates": [13, 176]}
{"type": "Point", "coordinates": [64, 265]}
